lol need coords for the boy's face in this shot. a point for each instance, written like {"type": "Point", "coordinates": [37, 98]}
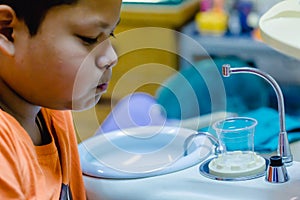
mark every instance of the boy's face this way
{"type": "Point", "coordinates": [68, 63]}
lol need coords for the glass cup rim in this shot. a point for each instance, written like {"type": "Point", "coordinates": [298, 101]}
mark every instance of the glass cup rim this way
{"type": "Point", "coordinates": [237, 129]}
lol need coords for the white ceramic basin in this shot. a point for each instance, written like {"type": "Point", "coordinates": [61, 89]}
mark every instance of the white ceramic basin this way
{"type": "Point", "coordinates": [147, 163]}
{"type": "Point", "coordinates": [141, 152]}
{"type": "Point", "coordinates": [189, 184]}
{"type": "Point", "coordinates": [280, 27]}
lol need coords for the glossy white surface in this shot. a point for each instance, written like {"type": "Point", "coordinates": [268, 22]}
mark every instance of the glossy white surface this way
{"type": "Point", "coordinates": [173, 179]}
{"type": "Point", "coordinates": [189, 184]}
{"type": "Point", "coordinates": [280, 27]}
{"type": "Point", "coordinates": [141, 152]}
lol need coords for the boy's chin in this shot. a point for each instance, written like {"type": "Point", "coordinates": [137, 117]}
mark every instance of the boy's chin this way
{"type": "Point", "coordinates": [86, 105]}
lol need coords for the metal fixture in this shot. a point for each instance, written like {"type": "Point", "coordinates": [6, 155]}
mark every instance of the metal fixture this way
{"type": "Point", "coordinates": [276, 171]}
{"type": "Point", "coordinates": [283, 144]}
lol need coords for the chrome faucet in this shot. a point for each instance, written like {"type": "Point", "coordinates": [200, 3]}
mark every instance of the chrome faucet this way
{"type": "Point", "coordinates": [283, 144]}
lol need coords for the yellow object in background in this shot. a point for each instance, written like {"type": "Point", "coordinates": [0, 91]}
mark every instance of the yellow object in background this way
{"type": "Point", "coordinates": [214, 21]}
{"type": "Point", "coordinates": [211, 23]}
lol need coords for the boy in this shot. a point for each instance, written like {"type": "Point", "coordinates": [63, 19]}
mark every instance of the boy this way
{"type": "Point", "coordinates": [42, 76]}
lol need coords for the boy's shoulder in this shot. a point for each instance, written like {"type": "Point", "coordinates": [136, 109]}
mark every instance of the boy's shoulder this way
{"type": "Point", "coordinates": [56, 114]}
{"type": "Point", "coordinates": [11, 132]}
{"type": "Point", "coordinates": [6, 120]}
{"type": "Point", "coordinates": [59, 118]}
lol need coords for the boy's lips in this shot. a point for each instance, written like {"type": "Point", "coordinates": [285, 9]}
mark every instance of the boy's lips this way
{"type": "Point", "coordinates": [102, 86]}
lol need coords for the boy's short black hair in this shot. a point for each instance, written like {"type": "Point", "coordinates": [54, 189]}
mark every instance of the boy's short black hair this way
{"type": "Point", "coordinates": [34, 11]}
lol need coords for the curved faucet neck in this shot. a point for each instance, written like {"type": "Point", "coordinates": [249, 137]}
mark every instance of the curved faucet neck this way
{"type": "Point", "coordinates": [283, 145]}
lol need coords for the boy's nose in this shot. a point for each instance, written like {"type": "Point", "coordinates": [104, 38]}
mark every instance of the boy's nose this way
{"type": "Point", "coordinates": [108, 60]}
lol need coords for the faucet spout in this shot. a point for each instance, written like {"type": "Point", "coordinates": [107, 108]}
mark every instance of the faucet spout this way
{"type": "Point", "coordinates": [283, 145]}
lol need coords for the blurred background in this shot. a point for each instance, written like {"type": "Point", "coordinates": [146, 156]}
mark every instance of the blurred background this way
{"type": "Point", "coordinates": [157, 39]}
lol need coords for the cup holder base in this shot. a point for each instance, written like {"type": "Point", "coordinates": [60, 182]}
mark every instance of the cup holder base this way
{"type": "Point", "coordinates": [204, 170]}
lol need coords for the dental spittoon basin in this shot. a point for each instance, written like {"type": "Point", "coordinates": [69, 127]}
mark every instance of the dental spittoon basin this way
{"type": "Point", "coordinates": [179, 183]}
{"type": "Point", "coordinates": [141, 152]}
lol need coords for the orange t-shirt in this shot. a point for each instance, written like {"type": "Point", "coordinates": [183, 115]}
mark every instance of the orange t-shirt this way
{"type": "Point", "coordinates": [40, 172]}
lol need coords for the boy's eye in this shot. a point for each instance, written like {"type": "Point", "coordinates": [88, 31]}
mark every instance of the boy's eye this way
{"type": "Point", "coordinates": [88, 40]}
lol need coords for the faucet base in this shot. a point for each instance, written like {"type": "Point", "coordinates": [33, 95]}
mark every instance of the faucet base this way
{"type": "Point", "coordinates": [276, 171]}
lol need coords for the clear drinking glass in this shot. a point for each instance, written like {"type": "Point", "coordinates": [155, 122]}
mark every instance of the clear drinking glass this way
{"type": "Point", "coordinates": [236, 134]}
{"type": "Point", "coordinates": [236, 140]}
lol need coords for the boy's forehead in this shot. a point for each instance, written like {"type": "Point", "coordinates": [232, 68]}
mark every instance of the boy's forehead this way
{"type": "Point", "coordinates": [101, 6]}
{"type": "Point", "coordinates": [103, 13]}
{"type": "Point", "coordinates": [101, 3]}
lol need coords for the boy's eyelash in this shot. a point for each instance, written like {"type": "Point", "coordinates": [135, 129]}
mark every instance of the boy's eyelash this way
{"type": "Point", "coordinates": [90, 41]}
{"type": "Point", "coordinates": [87, 39]}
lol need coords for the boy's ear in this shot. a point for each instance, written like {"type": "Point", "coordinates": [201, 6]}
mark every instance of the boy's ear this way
{"type": "Point", "coordinates": [7, 19]}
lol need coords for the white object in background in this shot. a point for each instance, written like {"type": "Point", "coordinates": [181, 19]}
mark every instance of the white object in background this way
{"type": "Point", "coordinates": [280, 27]}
